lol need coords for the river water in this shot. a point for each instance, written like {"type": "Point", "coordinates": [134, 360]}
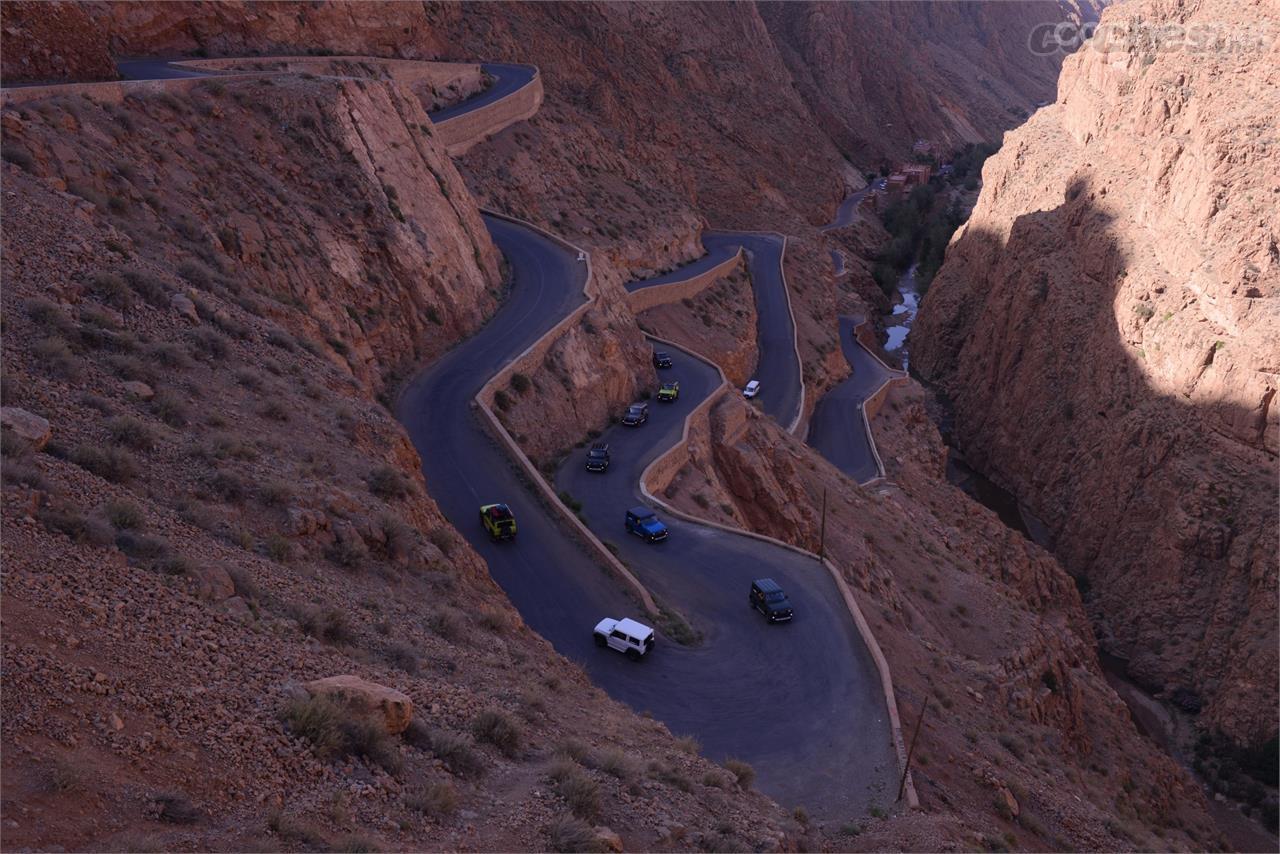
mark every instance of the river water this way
{"type": "Point", "coordinates": [898, 324]}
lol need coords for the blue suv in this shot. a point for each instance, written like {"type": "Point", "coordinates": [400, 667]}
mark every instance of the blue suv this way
{"type": "Point", "coordinates": [642, 522]}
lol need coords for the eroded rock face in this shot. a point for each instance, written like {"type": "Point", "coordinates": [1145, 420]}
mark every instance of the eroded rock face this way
{"type": "Point", "coordinates": [1105, 326]}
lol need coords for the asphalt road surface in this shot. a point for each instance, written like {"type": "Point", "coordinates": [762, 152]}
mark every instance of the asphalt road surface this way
{"type": "Point", "coordinates": [836, 429]}
{"type": "Point", "coordinates": [778, 366]}
{"type": "Point", "coordinates": [801, 701]}
{"type": "Point", "coordinates": [154, 69]}
{"type": "Point", "coordinates": [508, 78]}
{"type": "Point", "coordinates": [848, 208]}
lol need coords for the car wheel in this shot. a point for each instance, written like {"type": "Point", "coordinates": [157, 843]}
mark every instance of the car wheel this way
{"type": "Point", "coordinates": [599, 639]}
{"type": "Point", "coordinates": [633, 655]}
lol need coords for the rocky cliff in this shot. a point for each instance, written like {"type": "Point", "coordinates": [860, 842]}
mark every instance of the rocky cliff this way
{"type": "Point", "coordinates": [1106, 327]}
{"type": "Point", "coordinates": [879, 76]}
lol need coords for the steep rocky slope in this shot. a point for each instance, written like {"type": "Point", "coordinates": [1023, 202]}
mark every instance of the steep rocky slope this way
{"type": "Point", "coordinates": [1024, 745]}
{"type": "Point", "coordinates": [205, 509]}
{"type": "Point", "coordinates": [879, 76]}
{"type": "Point", "coordinates": [1106, 327]}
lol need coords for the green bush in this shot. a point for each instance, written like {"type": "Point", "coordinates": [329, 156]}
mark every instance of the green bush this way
{"type": "Point", "coordinates": [81, 529]}
{"type": "Point", "coordinates": [327, 624]}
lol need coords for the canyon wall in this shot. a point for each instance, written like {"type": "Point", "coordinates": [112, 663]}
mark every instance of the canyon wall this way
{"type": "Point", "coordinates": [879, 76]}
{"type": "Point", "coordinates": [1105, 325]}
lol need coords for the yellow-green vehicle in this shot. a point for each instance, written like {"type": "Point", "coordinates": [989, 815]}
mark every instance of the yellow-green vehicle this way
{"type": "Point", "coordinates": [498, 521]}
{"type": "Point", "coordinates": [669, 392]}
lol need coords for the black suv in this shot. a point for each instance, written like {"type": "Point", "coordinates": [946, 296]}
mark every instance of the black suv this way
{"type": "Point", "coordinates": [769, 599]}
{"type": "Point", "coordinates": [661, 360]}
{"type": "Point", "coordinates": [598, 457]}
{"type": "Point", "coordinates": [637, 414]}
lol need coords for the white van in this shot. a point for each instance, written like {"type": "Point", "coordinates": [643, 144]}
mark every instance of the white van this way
{"type": "Point", "coordinates": [752, 389]}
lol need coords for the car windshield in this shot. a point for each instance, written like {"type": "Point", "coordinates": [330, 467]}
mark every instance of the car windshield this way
{"type": "Point", "coordinates": [776, 596]}
{"type": "Point", "coordinates": [499, 513]}
{"type": "Point", "coordinates": [595, 455]}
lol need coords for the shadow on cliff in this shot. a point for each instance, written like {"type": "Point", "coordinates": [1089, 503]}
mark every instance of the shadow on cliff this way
{"type": "Point", "coordinates": [1156, 504]}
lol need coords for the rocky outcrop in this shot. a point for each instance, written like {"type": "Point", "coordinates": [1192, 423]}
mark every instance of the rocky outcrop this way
{"type": "Point", "coordinates": [1105, 326]}
{"type": "Point", "coordinates": [355, 211]}
{"type": "Point", "coordinates": [389, 707]}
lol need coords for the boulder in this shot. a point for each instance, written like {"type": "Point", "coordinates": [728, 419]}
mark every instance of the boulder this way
{"type": "Point", "coordinates": [212, 582]}
{"type": "Point", "coordinates": [139, 390]}
{"type": "Point", "coordinates": [387, 705]}
{"type": "Point", "coordinates": [610, 840]}
{"type": "Point", "coordinates": [27, 426]}
{"type": "Point", "coordinates": [185, 307]}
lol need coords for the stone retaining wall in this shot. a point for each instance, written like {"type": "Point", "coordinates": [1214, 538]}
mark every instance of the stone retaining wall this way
{"type": "Point", "coordinates": [651, 297]}
{"type": "Point", "coordinates": [461, 132]}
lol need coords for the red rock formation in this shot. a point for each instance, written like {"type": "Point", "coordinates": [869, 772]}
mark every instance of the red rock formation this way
{"type": "Point", "coordinates": [1105, 325]}
{"type": "Point", "coordinates": [55, 41]}
{"type": "Point", "coordinates": [879, 76]}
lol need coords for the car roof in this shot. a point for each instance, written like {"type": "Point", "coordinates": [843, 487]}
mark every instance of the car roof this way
{"type": "Point", "coordinates": [640, 511]}
{"type": "Point", "coordinates": [753, 383]}
{"type": "Point", "coordinates": [767, 585]}
{"type": "Point", "coordinates": [638, 406]}
{"type": "Point", "coordinates": [600, 446]}
{"type": "Point", "coordinates": [633, 628]}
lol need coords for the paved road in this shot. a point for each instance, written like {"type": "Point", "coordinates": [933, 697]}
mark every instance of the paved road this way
{"type": "Point", "coordinates": [801, 702]}
{"type": "Point", "coordinates": [836, 429]}
{"type": "Point", "coordinates": [848, 208]}
{"type": "Point", "coordinates": [509, 77]}
{"type": "Point", "coordinates": [778, 367]}
{"type": "Point", "coordinates": [155, 69]}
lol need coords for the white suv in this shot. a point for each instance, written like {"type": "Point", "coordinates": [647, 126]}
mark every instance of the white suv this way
{"type": "Point", "coordinates": [626, 636]}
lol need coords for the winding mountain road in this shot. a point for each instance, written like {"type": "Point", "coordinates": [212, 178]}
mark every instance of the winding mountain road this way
{"type": "Point", "coordinates": [802, 702]}
{"type": "Point", "coordinates": [778, 366]}
{"type": "Point", "coordinates": [836, 428]}
{"type": "Point", "coordinates": [507, 77]}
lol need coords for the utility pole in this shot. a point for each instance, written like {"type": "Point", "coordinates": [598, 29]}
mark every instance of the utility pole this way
{"type": "Point", "coordinates": [915, 736]}
{"type": "Point", "coordinates": [822, 537]}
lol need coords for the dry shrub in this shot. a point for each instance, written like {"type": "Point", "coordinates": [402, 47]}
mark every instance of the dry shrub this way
{"type": "Point", "coordinates": [499, 729]}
